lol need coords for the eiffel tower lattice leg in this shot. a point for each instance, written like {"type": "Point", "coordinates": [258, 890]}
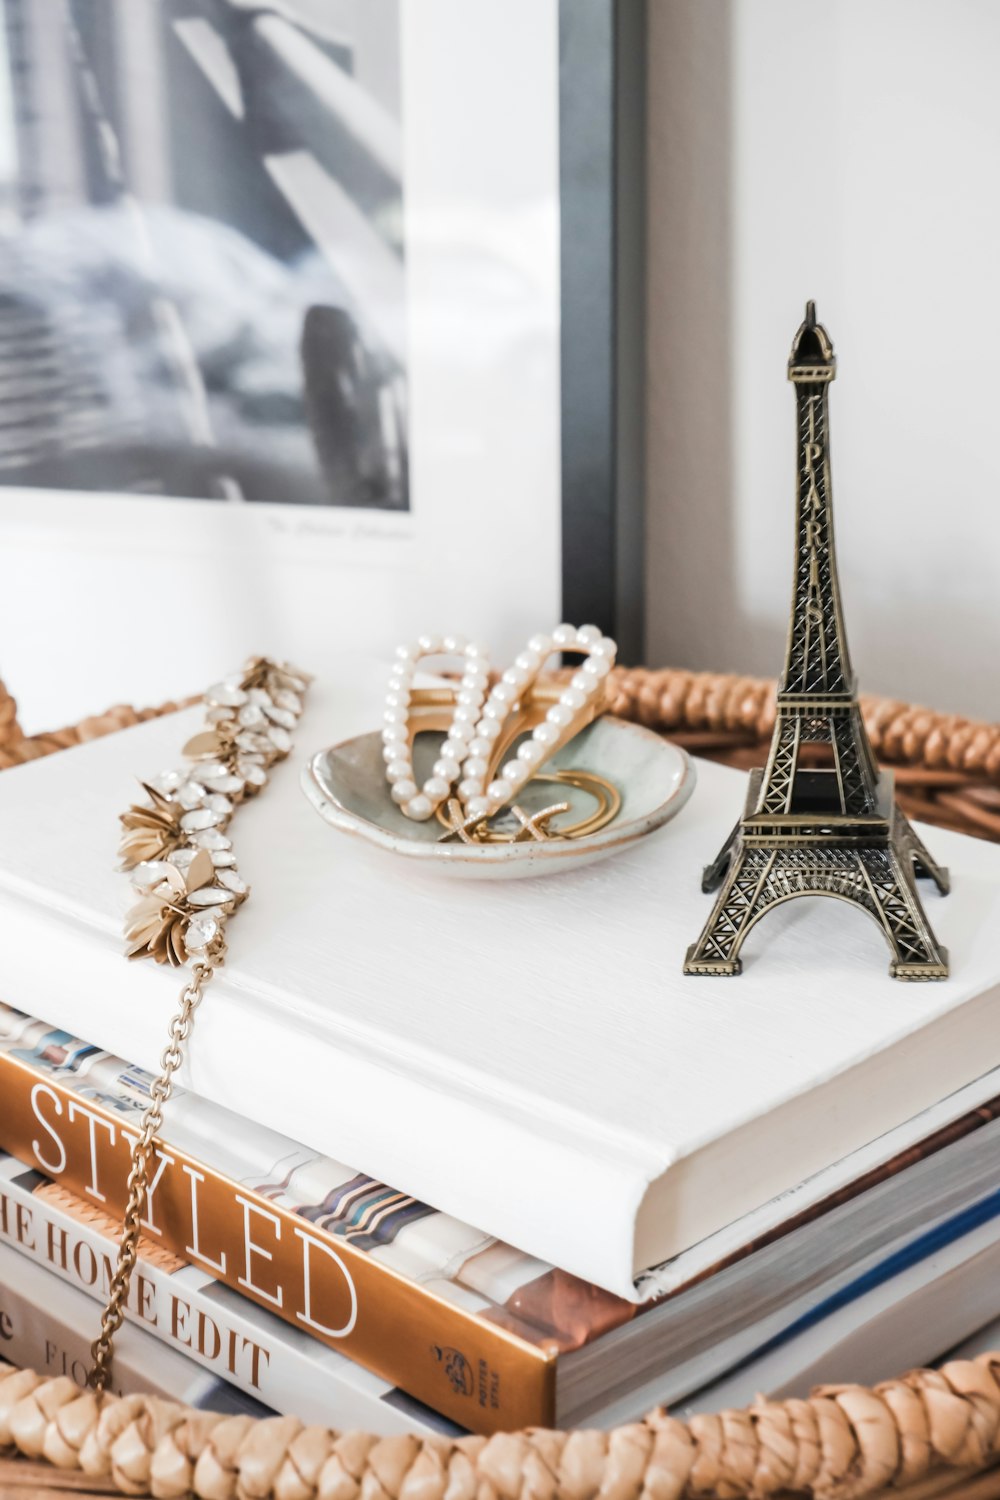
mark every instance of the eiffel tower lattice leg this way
{"type": "Point", "coordinates": [779, 777]}
{"type": "Point", "coordinates": [746, 882]}
{"type": "Point", "coordinates": [714, 874]}
{"type": "Point", "coordinates": [910, 845]}
{"type": "Point", "coordinates": [856, 767]}
{"type": "Point", "coordinates": [917, 954]}
{"type": "Point", "coordinates": [876, 878]}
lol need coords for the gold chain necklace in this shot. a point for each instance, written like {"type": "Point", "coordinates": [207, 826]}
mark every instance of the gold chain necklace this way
{"type": "Point", "coordinates": [176, 847]}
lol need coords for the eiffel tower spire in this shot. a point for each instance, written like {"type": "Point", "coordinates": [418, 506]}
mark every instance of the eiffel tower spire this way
{"type": "Point", "coordinates": [817, 660]}
{"type": "Point", "coordinates": [817, 693]}
{"type": "Point", "coordinates": [820, 817]}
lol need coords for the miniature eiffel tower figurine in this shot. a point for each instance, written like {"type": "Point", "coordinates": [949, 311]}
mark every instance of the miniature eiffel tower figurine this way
{"type": "Point", "coordinates": [820, 819]}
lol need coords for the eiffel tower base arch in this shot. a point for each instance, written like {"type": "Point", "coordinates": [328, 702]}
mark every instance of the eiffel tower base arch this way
{"type": "Point", "coordinates": [875, 871]}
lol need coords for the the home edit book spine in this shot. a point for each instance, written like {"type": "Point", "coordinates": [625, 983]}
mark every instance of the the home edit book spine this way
{"type": "Point", "coordinates": [196, 1319]}
{"type": "Point", "coordinates": [45, 1325]}
{"type": "Point", "coordinates": [477, 1374]}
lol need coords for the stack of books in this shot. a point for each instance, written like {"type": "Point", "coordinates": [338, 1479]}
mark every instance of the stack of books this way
{"type": "Point", "coordinates": [646, 1189]}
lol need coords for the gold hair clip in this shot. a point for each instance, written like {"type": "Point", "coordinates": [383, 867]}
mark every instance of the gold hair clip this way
{"type": "Point", "coordinates": [484, 727]}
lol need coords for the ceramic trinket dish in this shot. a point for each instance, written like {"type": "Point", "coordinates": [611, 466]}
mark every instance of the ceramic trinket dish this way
{"type": "Point", "coordinates": [653, 778]}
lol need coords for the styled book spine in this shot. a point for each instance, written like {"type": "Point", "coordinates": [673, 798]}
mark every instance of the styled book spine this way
{"type": "Point", "coordinates": [479, 1375]}
{"type": "Point", "coordinates": [196, 1317]}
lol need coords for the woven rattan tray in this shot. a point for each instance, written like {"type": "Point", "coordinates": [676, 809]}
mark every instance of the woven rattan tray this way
{"type": "Point", "coordinates": [929, 1433]}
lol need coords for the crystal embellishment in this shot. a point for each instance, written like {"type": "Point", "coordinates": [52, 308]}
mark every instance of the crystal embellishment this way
{"type": "Point", "coordinates": [148, 875]}
{"type": "Point", "coordinates": [248, 740]}
{"type": "Point", "coordinates": [200, 818]}
{"type": "Point", "coordinates": [211, 838]}
{"type": "Point", "coordinates": [218, 779]}
{"type": "Point", "coordinates": [209, 895]}
{"type": "Point", "coordinates": [216, 802]}
{"type": "Point", "coordinates": [282, 716]}
{"type": "Point", "coordinates": [200, 932]}
{"type": "Point", "coordinates": [225, 695]}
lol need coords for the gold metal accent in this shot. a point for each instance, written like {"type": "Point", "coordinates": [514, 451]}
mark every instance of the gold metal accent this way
{"type": "Point", "coordinates": [457, 825]}
{"type": "Point", "coordinates": [211, 744]}
{"type": "Point", "coordinates": [820, 818]}
{"type": "Point", "coordinates": [606, 794]}
{"type": "Point", "coordinates": [476, 829]}
{"type": "Point", "coordinates": [138, 1179]}
{"type": "Point", "coordinates": [151, 832]}
{"type": "Point", "coordinates": [431, 709]}
{"type": "Point", "coordinates": [536, 825]}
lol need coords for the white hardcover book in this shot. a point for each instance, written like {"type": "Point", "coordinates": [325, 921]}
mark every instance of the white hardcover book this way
{"type": "Point", "coordinates": [46, 1325]}
{"type": "Point", "coordinates": [195, 1317]}
{"type": "Point", "coordinates": [525, 1055]}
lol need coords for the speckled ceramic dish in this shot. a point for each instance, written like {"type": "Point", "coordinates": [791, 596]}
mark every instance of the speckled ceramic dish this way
{"type": "Point", "coordinates": [346, 784]}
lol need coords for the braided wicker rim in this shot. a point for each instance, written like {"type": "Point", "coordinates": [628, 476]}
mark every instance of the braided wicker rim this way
{"type": "Point", "coordinates": [947, 767]}
{"type": "Point", "coordinates": [929, 1433]}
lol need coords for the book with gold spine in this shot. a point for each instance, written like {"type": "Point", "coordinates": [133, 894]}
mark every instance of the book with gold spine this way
{"type": "Point", "coordinates": [196, 1319]}
{"type": "Point", "coordinates": [323, 1247]}
{"type": "Point", "coordinates": [481, 1332]}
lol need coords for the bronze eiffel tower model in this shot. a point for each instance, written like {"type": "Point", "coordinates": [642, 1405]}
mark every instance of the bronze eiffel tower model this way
{"type": "Point", "coordinates": [820, 818]}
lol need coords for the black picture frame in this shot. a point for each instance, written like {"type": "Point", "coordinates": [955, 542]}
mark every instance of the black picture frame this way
{"type": "Point", "coordinates": [602, 129]}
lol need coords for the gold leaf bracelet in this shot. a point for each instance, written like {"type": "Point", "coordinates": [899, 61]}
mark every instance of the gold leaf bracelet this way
{"type": "Point", "coordinates": [177, 849]}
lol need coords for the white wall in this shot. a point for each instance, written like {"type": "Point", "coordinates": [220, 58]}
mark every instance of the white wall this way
{"type": "Point", "coordinates": [847, 150]}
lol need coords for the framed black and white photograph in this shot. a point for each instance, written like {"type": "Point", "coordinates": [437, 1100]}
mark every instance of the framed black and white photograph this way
{"type": "Point", "coordinates": [308, 303]}
{"type": "Point", "coordinates": [205, 295]}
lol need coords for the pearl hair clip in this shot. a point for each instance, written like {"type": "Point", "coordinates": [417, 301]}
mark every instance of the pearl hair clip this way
{"type": "Point", "coordinates": [483, 725]}
{"type": "Point", "coordinates": [486, 774]}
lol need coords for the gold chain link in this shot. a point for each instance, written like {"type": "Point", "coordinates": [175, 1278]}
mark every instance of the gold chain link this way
{"type": "Point", "coordinates": [138, 1179]}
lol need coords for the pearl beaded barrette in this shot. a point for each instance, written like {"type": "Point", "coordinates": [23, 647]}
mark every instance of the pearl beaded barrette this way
{"type": "Point", "coordinates": [481, 722]}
